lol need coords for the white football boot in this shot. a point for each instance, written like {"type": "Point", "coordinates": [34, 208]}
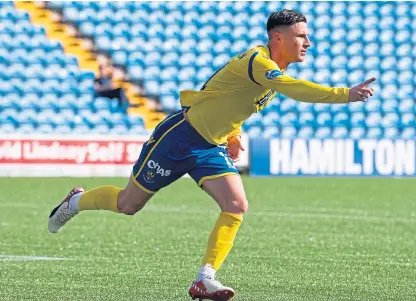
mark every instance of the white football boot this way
{"type": "Point", "coordinates": [210, 289]}
{"type": "Point", "coordinates": [62, 213]}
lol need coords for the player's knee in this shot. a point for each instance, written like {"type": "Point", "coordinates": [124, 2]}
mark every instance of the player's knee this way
{"type": "Point", "coordinates": [128, 205]}
{"type": "Point", "coordinates": [239, 206]}
{"type": "Point", "coordinates": [130, 210]}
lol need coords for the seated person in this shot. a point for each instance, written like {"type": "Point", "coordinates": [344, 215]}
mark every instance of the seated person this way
{"type": "Point", "coordinates": [105, 86]}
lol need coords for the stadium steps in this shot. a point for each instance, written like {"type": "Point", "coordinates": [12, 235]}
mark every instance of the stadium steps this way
{"type": "Point", "coordinates": [72, 45]}
{"type": "Point", "coordinates": [60, 32]}
{"type": "Point", "coordinates": [140, 105]}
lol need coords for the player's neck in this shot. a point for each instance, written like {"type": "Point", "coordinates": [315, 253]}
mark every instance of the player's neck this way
{"type": "Point", "coordinates": [276, 57]}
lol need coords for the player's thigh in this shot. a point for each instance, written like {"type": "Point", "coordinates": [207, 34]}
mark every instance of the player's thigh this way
{"type": "Point", "coordinates": [163, 158]}
{"type": "Point", "coordinates": [217, 175]}
{"type": "Point", "coordinates": [132, 198]}
{"type": "Point", "coordinates": [150, 174]}
{"type": "Point", "coordinates": [228, 192]}
{"type": "Point", "coordinates": [154, 168]}
{"type": "Point", "coordinates": [157, 171]}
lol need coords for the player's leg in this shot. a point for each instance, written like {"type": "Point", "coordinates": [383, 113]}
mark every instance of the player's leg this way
{"type": "Point", "coordinates": [151, 172]}
{"type": "Point", "coordinates": [228, 191]}
{"type": "Point", "coordinates": [128, 200]}
{"type": "Point", "coordinates": [224, 185]}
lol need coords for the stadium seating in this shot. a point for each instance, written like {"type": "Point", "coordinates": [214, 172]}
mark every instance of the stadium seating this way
{"type": "Point", "coordinates": [43, 90]}
{"type": "Point", "coordinates": [170, 46]}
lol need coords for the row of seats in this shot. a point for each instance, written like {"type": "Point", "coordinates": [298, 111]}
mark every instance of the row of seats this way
{"type": "Point", "coordinates": [140, 49]}
{"type": "Point", "coordinates": [21, 28]}
{"type": "Point", "coordinates": [233, 32]}
{"type": "Point", "coordinates": [192, 56]}
{"type": "Point", "coordinates": [51, 72]}
{"type": "Point", "coordinates": [254, 131]}
{"type": "Point", "coordinates": [32, 57]}
{"type": "Point", "coordinates": [336, 77]}
{"type": "Point", "coordinates": [389, 120]}
{"type": "Point", "coordinates": [11, 43]}
{"type": "Point", "coordinates": [241, 18]}
{"type": "Point", "coordinates": [88, 102]}
{"type": "Point", "coordinates": [81, 129]}
{"type": "Point", "coordinates": [38, 70]}
{"type": "Point", "coordinates": [66, 112]}
{"type": "Point", "coordinates": [319, 8]}
{"type": "Point", "coordinates": [48, 87]}
{"type": "Point", "coordinates": [215, 43]}
{"type": "Point", "coordinates": [331, 133]}
{"type": "Point", "coordinates": [8, 12]}
{"type": "Point", "coordinates": [67, 117]}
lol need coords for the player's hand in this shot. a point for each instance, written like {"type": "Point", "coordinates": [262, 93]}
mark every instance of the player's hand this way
{"type": "Point", "coordinates": [234, 148]}
{"type": "Point", "coordinates": [361, 92]}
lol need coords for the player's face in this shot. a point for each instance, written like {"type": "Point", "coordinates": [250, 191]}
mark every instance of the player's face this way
{"type": "Point", "coordinates": [295, 42]}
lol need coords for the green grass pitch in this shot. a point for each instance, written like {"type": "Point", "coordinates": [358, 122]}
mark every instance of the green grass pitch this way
{"type": "Point", "coordinates": [302, 240]}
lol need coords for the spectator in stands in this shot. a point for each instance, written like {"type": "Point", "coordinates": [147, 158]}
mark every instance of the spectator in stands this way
{"type": "Point", "coordinates": [106, 84]}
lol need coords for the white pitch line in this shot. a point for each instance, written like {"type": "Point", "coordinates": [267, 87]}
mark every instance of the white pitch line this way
{"type": "Point", "coordinates": [21, 258]}
{"type": "Point", "coordinates": [283, 214]}
{"type": "Point", "coordinates": [319, 213]}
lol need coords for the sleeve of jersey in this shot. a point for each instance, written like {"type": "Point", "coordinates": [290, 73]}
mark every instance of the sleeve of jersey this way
{"type": "Point", "coordinates": [269, 75]}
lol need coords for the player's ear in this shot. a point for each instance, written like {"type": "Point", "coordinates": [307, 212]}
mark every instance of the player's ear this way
{"type": "Point", "coordinates": [278, 36]}
{"type": "Point", "coordinates": [274, 36]}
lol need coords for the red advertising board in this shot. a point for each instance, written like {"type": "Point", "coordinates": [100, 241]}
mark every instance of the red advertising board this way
{"type": "Point", "coordinates": [80, 151]}
{"type": "Point", "coordinates": [78, 156]}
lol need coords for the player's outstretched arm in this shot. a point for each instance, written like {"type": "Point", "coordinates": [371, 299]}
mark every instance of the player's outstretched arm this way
{"type": "Point", "coordinates": [306, 91]}
{"type": "Point", "coordinates": [267, 74]}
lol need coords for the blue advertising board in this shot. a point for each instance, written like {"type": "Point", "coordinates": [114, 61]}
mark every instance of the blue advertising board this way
{"type": "Point", "coordinates": [332, 157]}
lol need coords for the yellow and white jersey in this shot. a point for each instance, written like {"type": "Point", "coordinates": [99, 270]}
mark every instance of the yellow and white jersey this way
{"type": "Point", "coordinates": [244, 86]}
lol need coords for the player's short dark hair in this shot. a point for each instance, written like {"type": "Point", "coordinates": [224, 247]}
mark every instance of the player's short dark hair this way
{"type": "Point", "coordinates": [284, 17]}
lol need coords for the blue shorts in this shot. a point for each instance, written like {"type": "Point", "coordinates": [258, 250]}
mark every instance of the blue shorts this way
{"type": "Point", "coordinates": [175, 149]}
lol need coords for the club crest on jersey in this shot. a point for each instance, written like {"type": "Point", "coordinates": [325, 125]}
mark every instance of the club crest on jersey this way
{"type": "Point", "coordinates": [149, 176]}
{"type": "Point", "coordinates": [270, 74]}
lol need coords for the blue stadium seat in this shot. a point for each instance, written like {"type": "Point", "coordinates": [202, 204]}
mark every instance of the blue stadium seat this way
{"type": "Point", "coordinates": [408, 133]}
{"type": "Point", "coordinates": [323, 133]}
{"type": "Point", "coordinates": [254, 131]}
{"type": "Point", "coordinates": [306, 132]}
{"type": "Point", "coordinates": [307, 119]}
{"type": "Point", "coordinates": [374, 133]}
{"type": "Point", "coordinates": [288, 132]}
{"type": "Point", "coordinates": [340, 133]}
{"type": "Point", "coordinates": [357, 133]}
{"type": "Point", "coordinates": [7, 127]}
{"type": "Point", "coordinates": [407, 120]}
{"type": "Point", "coordinates": [63, 129]}
{"type": "Point", "coordinates": [270, 132]}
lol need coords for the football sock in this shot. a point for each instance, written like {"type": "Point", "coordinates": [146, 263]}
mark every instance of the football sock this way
{"type": "Point", "coordinates": [221, 239]}
{"type": "Point", "coordinates": [100, 198]}
{"type": "Point", "coordinates": [74, 202]}
{"type": "Point", "coordinates": [206, 271]}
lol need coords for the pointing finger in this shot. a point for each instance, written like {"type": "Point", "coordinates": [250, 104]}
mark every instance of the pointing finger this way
{"type": "Point", "coordinates": [368, 81]}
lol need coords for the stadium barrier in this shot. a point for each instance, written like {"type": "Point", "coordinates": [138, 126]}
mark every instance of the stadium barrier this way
{"type": "Point", "coordinates": [77, 156]}
{"type": "Point", "coordinates": [333, 157]}
{"type": "Point", "coordinates": [92, 155]}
